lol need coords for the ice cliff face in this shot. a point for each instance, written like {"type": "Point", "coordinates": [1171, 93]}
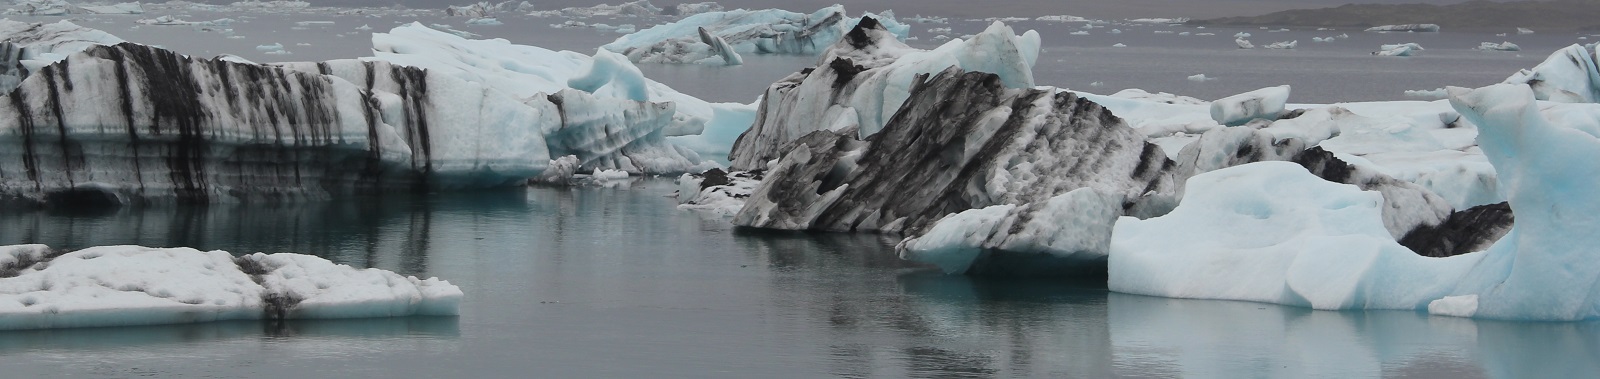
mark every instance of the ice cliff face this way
{"type": "Point", "coordinates": [770, 31]}
{"type": "Point", "coordinates": [131, 121]}
{"type": "Point", "coordinates": [863, 79]}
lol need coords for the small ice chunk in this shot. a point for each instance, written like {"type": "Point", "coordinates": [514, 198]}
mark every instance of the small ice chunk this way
{"type": "Point", "coordinates": [1266, 103]}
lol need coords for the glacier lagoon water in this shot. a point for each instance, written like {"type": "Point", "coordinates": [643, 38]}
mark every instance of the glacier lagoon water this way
{"type": "Point", "coordinates": [617, 282]}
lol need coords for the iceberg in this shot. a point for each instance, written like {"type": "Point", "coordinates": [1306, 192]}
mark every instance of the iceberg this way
{"type": "Point", "coordinates": [169, 20]}
{"type": "Point", "coordinates": [485, 9]}
{"type": "Point", "coordinates": [42, 288]}
{"type": "Point", "coordinates": [1265, 103]}
{"type": "Point", "coordinates": [690, 9]}
{"type": "Point", "coordinates": [1243, 43]}
{"type": "Point", "coordinates": [1398, 50]}
{"type": "Point", "coordinates": [1062, 18]}
{"type": "Point", "coordinates": [1284, 45]}
{"type": "Point", "coordinates": [641, 8]}
{"type": "Point", "coordinates": [1433, 28]}
{"type": "Point", "coordinates": [1569, 76]}
{"type": "Point", "coordinates": [1003, 155]}
{"type": "Point", "coordinates": [721, 48]}
{"type": "Point", "coordinates": [118, 123]}
{"type": "Point", "coordinates": [27, 47]}
{"type": "Point", "coordinates": [1320, 245]}
{"type": "Point", "coordinates": [716, 191]}
{"type": "Point", "coordinates": [770, 31]}
{"type": "Point", "coordinates": [271, 4]}
{"type": "Point", "coordinates": [698, 127]}
{"type": "Point", "coordinates": [864, 78]}
{"type": "Point", "coordinates": [479, 114]}
{"type": "Point", "coordinates": [1503, 46]}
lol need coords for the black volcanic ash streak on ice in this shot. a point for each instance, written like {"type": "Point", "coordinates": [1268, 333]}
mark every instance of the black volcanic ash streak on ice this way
{"type": "Point", "coordinates": [938, 152]}
{"type": "Point", "coordinates": [1466, 231]}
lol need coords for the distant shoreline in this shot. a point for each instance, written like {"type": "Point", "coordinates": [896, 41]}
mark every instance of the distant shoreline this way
{"type": "Point", "coordinates": [1552, 16]}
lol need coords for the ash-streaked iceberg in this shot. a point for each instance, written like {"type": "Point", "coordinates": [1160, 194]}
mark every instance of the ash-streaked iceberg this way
{"type": "Point", "coordinates": [127, 121]}
{"type": "Point", "coordinates": [42, 288]}
{"type": "Point", "coordinates": [1002, 157]}
{"type": "Point", "coordinates": [770, 31]}
{"type": "Point", "coordinates": [864, 78]}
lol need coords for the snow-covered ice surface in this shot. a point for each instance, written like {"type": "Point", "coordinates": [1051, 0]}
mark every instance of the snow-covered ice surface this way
{"type": "Point", "coordinates": [132, 285]}
{"type": "Point", "coordinates": [769, 31]}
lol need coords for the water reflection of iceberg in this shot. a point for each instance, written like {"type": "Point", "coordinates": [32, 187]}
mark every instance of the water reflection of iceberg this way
{"type": "Point", "coordinates": [1207, 338]}
{"type": "Point", "coordinates": [307, 334]}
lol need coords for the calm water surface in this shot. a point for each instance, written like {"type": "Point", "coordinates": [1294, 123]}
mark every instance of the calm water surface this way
{"type": "Point", "coordinates": [617, 282]}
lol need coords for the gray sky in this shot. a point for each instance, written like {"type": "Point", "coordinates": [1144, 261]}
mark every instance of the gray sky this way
{"type": "Point", "coordinates": [966, 8]}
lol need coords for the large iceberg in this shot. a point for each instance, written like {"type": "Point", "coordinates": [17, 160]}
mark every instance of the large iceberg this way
{"type": "Point", "coordinates": [42, 288]}
{"type": "Point", "coordinates": [701, 127]}
{"type": "Point", "coordinates": [128, 122]}
{"type": "Point", "coordinates": [1004, 156]}
{"type": "Point", "coordinates": [770, 31]}
{"type": "Point", "coordinates": [1322, 245]}
{"type": "Point", "coordinates": [862, 80]}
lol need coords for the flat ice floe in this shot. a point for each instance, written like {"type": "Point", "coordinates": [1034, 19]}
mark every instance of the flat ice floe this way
{"type": "Point", "coordinates": [42, 288]}
{"type": "Point", "coordinates": [1328, 252]}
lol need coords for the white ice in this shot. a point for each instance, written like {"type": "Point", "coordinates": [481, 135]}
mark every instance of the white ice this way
{"type": "Point", "coordinates": [134, 285]}
{"type": "Point", "coordinates": [1271, 232]}
{"type": "Point", "coordinates": [1265, 103]}
{"type": "Point", "coordinates": [769, 31]}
